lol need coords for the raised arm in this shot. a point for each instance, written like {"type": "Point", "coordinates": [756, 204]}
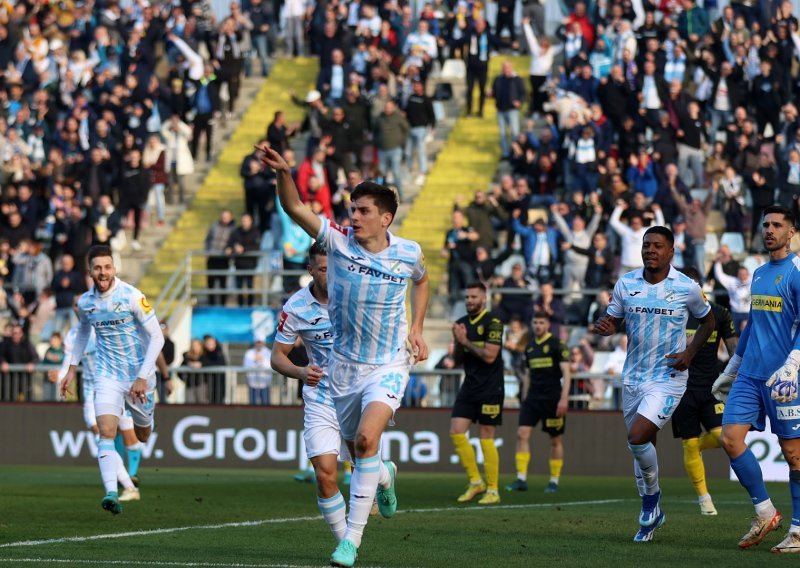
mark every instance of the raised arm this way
{"type": "Point", "coordinates": [288, 195]}
{"type": "Point", "coordinates": [726, 280]}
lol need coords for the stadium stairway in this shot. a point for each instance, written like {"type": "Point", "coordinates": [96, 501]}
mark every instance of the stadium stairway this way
{"type": "Point", "coordinates": [221, 187]}
{"type": "Point", "coordinates": [466, 163]}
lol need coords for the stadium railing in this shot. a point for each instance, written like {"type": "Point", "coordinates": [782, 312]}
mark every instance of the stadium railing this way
{"type": "Point", "coordinates": [433, 388]}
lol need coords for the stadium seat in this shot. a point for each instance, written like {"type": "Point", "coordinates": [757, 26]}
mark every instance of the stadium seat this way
{"type": "Point", "coordinates": [712, 244]}
{"type": "Point", "coordinates": [454, 69]}
{"type": "Point", "coordinates": [734, 241]}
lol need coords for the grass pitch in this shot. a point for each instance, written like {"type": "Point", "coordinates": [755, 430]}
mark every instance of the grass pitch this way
{"type": "Point", "coordinates": [253, 518]}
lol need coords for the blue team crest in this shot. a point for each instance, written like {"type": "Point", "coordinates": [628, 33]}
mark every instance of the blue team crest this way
{"type": "Point", "coordinates": [778, 278]}
{"type": "Point", "coordinates": [669, 296]}
{"type": "Point", "coordinates": [118, 307]}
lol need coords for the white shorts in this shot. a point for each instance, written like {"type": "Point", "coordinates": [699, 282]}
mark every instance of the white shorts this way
{"type": "Point", "coordinates": [111, 397]}
{"type": "Point", "coordinates": [356, 385]}
{"type": "Point", "coordinates": [656, 401]}
{"type": "Point", "coordinates": [321, 432]}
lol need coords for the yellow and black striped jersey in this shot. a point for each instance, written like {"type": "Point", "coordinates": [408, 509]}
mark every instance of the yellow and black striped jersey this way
{"type": "Point", "coordinates": [544, 357]}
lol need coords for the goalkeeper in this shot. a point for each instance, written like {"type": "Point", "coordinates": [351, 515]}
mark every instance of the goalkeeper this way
{"type": "Point", "coordinates": [761, 379]}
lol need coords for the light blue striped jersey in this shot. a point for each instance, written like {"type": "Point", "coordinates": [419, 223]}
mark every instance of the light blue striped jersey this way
{"type": "Point", "coordinates": [89, 359]}
{"type": "Point", "coordinates": [772, 328]}
{"type": "Point", "coordinates": [118, 319]}
{"type": "Point", "coordinates": [303, 316]}
{"type": "Point", "coordinates": [367, 294]}
{"type": "Point", "coordinates": [655, 320]}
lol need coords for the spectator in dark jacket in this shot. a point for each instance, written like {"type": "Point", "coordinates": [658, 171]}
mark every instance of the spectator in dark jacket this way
{"type": "Point", "coordinates": [245, 239]}
{"type": "Point", "coordinates": [67, 284]}
{"type": "Point", "coordinates": [17, 350]}
{"type": "Point", "coordinates": [214, 357]}
{"type": "Point", "coordinates": [133, 189]}
{"type": "Point", "coordinates": [508, 90]}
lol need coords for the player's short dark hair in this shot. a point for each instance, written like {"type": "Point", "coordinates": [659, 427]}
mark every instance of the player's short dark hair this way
{"type": "Point", "coordinates": [98, 251]}
{"type": "Point", "coordinates": [781, 210]}
{"type": "Point", "coordinates": [479, 285]}
{"type": "Point", "coordinates": [385, 198]}
{"type": "Point", "coordinates": [315, 251]}
{"type": "Point", "coordinates": [541, 315]}
{"type": "Point", "coordinates": [692, 273]}
{"type": "Point", "coordinates": [661, 230]}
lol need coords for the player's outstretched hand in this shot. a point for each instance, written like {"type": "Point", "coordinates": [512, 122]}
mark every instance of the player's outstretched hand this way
{"type": "Point", "coordinates": [312, 375]}
{"type": "Point", "coordinates": [681, 361]}
{"type": "Point", "coordinates": [273, 159]}
{"type": "Point", "coordinates": [783, 382]}
{"type": "Point", "coordinates": [722, 386]}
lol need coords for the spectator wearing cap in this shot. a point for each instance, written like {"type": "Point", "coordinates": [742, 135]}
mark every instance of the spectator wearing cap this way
{"type": "Point", "coordinates": [316, 111]}
{"type": "Point", "coordinates": [259, 380]}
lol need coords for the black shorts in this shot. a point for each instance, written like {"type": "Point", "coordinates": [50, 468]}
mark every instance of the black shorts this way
{"type": "Point", "coordinates": [697, 407]}
{"type": "Point", "coordinates": [488, 412]}
{"type": "Point", "coordinates": [533, 410]}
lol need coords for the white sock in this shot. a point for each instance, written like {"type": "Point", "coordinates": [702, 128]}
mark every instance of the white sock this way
{"type": "Point", "coordinates": [107, 457]}
{"type": "Point", "coordinates": [122, 474]}
{"type": "Point", "coordinates": [363, 487]}
{"type": "Point", "coordinates": [647, 460]}
{"type": "Point", "coordinates": [705, 497]}
{"type": "Point", "coordinates": [334, 511]}
{"type": "Point", "coordinates": [385, 479]}
{"type": "Point", "coordinates": [554, 480]}
{"type": "Point", "coordinates": [637, 475]}
{"type": "Point", "coordinates": [765, 509]}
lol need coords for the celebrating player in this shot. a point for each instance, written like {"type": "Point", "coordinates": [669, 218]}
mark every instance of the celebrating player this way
{"type": "Point", "coordinates": [698, 408]}
{"type": "Point", "coordinates": [655, 303]}
{"type": "Point", "coordinates": [763, 374]}
{"type": "Point", "coordinates": [89, 364]}
{"type": "Point", "coordinates": [548, 362]}
{"type": "Point", "coordinates": [479, 339]}
{"type": "Point", "coordinates": [129, 340]}
{"type": "Point", "coordinates": [370, 269]}
{"type": "Point", "coordinates": [306, 315]}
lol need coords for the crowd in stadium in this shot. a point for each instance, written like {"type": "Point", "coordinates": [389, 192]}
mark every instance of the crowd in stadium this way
{"type": "Point", "coordinates": [632, 114]}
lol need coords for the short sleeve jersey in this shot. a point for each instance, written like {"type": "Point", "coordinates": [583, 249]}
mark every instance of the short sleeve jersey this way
{"type": "Point", "coordinates": [772, 327]}
{"type": "Point", "coordinates": [305, 317]}
{"type": "Point", "coordinates": [367, 294]}
{"type": "Point", "coordinates": [544, 357]}
{"type": "Point", "coordinates": [482, 380]}
{"type": "Point", "coordinates": [118, 319]}
{"type": "Point", "coordinates": [655, 317]}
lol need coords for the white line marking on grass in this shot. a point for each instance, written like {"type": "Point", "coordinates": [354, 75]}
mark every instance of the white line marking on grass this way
{"type": "Point", "coordinates": [150, 563]}
{"type": "Point", "coordinates": [291, 520]}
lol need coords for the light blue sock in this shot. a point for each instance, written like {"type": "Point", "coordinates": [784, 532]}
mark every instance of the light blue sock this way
{"type": "Point", "coordinates": [334, 511]}
{"type": "Point", "coordinates": [748, 471]}
{"type": "Point", "coordinates": [119, 444]}
{"type": "Point", "coordinates": [134, 457]}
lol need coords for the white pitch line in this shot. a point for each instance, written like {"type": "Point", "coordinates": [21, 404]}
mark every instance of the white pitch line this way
{"type": "Point", "coordinates": [150, 563]}
{"type": "Point", "coordinates": [290, 520]}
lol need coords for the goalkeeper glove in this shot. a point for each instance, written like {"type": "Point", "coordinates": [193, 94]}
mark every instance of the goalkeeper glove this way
{"type": "Point", "coordinates": [783, 382]}
{"type": "Point", "coordinates": [722, 386]}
